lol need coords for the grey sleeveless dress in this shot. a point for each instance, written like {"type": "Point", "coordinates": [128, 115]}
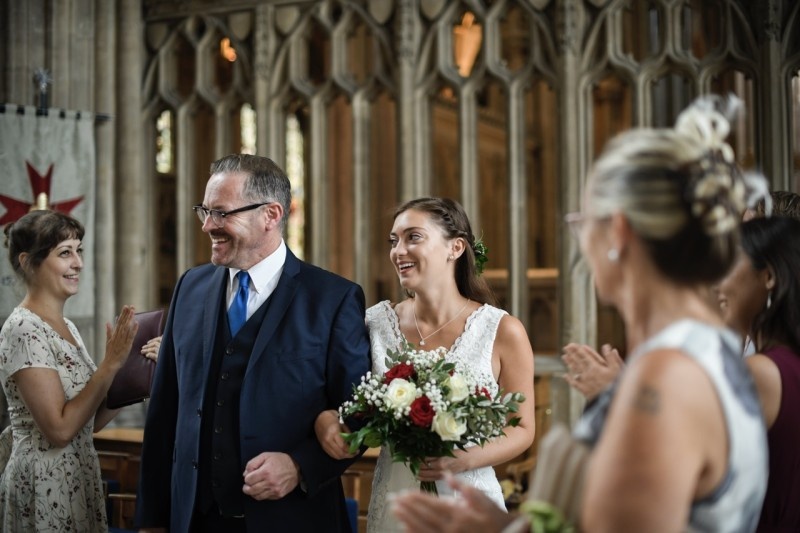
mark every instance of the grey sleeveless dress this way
{"type": "Point", "coordinates": [736, 504]}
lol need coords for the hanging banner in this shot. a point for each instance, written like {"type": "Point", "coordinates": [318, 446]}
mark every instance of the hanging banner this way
{"type": "Point", "coordinates": [47, 162]}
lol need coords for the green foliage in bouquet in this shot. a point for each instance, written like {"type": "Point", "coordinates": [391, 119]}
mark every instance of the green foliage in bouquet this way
{"type": "Point", "coordinates": [424, 407]}
{"type": "Point", "coordinates": [545, 518]}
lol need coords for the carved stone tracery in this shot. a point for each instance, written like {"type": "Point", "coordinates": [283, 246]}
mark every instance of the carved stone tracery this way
{"type": "Point", "coordinates": [577, 48]}
{"type": "Point", "coordinates": [582, 70]}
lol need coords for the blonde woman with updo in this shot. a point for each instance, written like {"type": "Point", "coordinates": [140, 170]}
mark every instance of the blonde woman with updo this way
{"type": "Point", "coordinates": [678, 442]}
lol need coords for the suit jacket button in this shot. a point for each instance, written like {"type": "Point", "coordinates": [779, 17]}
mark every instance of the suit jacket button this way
{"type": "Point", "coordinates": [218, 429]}
{"type": "Point", "coordinates": [224, 375]}
{"type": "Point", "coordinates": [229, 351]}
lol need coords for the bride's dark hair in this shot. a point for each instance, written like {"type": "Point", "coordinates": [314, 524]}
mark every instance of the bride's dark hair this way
{"type": "Point", "coordinates": [451, 217]}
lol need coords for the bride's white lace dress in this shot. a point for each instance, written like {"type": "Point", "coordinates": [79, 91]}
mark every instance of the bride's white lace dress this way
{"type": "Point", "coordinates": [473, 351]}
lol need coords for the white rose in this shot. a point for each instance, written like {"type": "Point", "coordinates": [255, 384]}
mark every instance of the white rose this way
{"type": "Point", "coordinates": [448, 427]}
{"type": "Point", "coordinates": [400, 394]}
{"type": "Point", "coordinates": [458, 388]}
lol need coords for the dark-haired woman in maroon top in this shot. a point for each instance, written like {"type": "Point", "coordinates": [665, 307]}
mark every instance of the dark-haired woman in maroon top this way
{"type": "Point", "coordinates": [760, 298]}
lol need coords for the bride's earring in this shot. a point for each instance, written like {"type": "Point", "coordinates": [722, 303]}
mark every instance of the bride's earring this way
{"type": "Point", "coordinates": [613, 255]}
{"type": "Point", "coordinates": [769, 299]}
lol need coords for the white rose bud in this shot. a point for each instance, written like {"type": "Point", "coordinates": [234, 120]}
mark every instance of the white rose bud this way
{"type": "Point", "coordinates": [458, 388]}
{"type": "Point", "coordinates": [400, 394]}
{"type": "Point", "coordinates": [448, 427]}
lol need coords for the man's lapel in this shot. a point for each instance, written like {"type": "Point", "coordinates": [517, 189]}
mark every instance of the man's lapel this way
{"type": "Point", "coordinates": [211, 314]}
{"type": "Point", "coordinates": [280, 299]}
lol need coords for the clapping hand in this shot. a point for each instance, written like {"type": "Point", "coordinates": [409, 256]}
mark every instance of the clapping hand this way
{"type": "Point", "coordinates": [119, 338]}
{"type": "Point", "coordinates": [422, 512]}
{"type": "Point", "coordinates": [590, 372]}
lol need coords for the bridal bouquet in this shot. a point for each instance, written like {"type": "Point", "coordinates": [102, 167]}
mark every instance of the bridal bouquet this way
{"type": "Point", "coordinates": [424, 407]}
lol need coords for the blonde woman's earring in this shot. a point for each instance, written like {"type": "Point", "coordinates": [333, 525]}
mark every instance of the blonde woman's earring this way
{"type": "Point", "coordinates": [613, 255]}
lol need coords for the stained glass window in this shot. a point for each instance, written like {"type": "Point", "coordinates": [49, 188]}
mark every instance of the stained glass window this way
{"type": "Point", "coordinates": [248, 124]}
{"type": "Point", "coordinates": [165, 163]}
{"type": "Point", "coordinates": [295, 169]}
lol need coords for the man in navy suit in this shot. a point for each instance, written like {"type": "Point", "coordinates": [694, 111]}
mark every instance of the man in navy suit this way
{"type": "Point", "coordinates": [256, 345]}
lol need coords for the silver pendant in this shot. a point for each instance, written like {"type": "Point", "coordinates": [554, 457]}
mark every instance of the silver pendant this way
{"type": "Point", "coordinates": [422, 343]}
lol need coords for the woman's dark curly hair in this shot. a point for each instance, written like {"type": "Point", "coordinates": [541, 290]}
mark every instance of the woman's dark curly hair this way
{"type": "Point", "coordinates": [36, 234]}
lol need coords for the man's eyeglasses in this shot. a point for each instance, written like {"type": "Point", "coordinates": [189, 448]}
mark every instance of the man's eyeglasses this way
{"type": "Point", "coordinates": [218, 217]}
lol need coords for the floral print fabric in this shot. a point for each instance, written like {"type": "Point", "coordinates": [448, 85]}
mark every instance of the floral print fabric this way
{"type": "Point", "coordinates": [43, 487]}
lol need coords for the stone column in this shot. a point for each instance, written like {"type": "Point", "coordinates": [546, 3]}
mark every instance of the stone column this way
{"type": "Point", "coordinates": [132, 209]}
{"type": "Point", "coordinates": [414, 133]}
{"type": "Point", "coordinates": [774, 102]}
{"type": "Point", "coordinates": [105, 102]}
{"type": "Point", "coordinates": [578, 316]}
{"type": "Point", "coordinates": [27, 26]}
{"type": "Point", "coordinates": [270, 116]}
{"type": "Point", "coordinates": [518, 295]}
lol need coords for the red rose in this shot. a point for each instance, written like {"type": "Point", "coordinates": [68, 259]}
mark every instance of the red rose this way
{"type": "Point", "coordinates": [422, 412]}
{"type": "Point", "coordinates": [483, 391]}
{"type": "Point", "coordinates": [400, 370]}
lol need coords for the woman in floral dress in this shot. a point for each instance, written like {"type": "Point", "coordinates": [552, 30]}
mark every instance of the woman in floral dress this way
{"type": "Point", "coordinates": [50, 477]}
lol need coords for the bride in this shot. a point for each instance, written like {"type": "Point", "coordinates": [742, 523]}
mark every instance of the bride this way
{"type": "Point", "coordinates": [449, 305]}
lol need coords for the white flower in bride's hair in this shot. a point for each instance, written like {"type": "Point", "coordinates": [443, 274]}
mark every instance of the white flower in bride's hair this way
{"type": "Point", "coordinates": [459, 389]}
{"type": "Point", "coordinates": [448, 427]}
{"type": "Point", "coordinates": [400, 394]}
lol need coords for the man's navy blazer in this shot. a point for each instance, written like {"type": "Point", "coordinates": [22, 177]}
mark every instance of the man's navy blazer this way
{"type": "Point", "coordinates": [312, 347]}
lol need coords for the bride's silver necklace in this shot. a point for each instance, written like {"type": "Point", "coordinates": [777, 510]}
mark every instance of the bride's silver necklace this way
{"type": "Point", "coordinates": [428, 336]}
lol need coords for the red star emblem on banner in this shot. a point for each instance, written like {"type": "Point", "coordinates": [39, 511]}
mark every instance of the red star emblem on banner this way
{"type": "Point", "coordinates": [40, 186]}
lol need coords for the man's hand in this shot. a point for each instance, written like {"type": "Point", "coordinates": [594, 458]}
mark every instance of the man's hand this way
{"type": "Point", "coordinates": [329, 434]}
{"type": "Point", "coordinates": [150, 349]}
{"type": "Point", "coordinates": [270, 476]}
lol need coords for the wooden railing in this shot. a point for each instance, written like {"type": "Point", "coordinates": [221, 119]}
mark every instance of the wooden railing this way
{"type": "Point", "coordinates": [119, 451]}
{"type": "Point", "coordinates": [542, 319]}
